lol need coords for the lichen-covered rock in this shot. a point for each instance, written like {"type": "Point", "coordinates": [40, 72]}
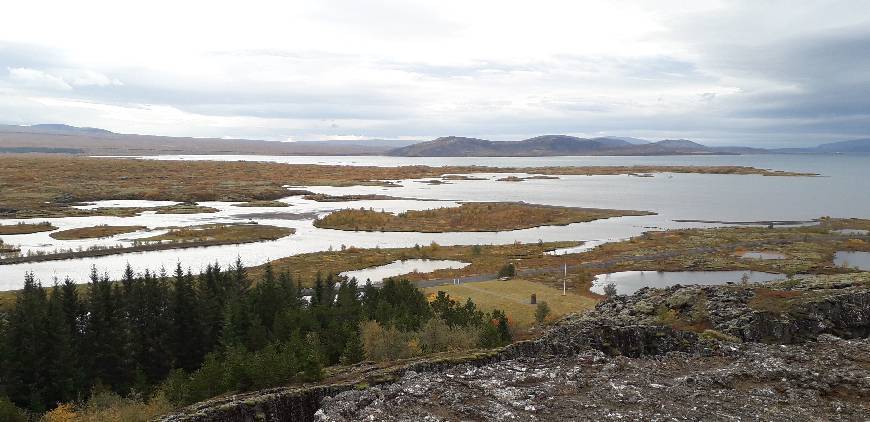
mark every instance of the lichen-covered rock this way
{"type": "Point", "coordinates": [824, 380]}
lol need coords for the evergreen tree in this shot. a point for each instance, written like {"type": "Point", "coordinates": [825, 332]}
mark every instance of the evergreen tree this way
{"type": "Point", "coordinates": [212, 303]}
{"type": "Point", "coordinates": [185, 330]}
{"type": "Point", "coordinates": [353, 349]}
{"type": "Point", "coordinates": [151, 324]}
{"type": "Point", "coordinates": [28, 373]}
{"type": "Point", "coordinates": [267, 297]}
{"type": "Point", "coordinates": [62, 370]}
{"type": "Point", "coordinates": [105, 343]}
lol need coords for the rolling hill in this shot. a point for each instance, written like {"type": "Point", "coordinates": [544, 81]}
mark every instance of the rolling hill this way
{"type": "Point", "coordinates": [550, 145]}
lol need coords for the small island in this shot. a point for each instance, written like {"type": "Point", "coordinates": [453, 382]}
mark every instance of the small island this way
{"type": "Point", "coordinates": [175, 238]}
{"type": "Point", "coordinates": [469, 217]}
{"type": "Point", "coordinates": [26, 228]}
{"type": "Point", "coordinates": [94, 232]}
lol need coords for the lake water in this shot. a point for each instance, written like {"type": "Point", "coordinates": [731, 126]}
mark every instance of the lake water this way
{"type": "Point", "coordinates": [838, 193]}
{"type": "Point", "coordinates": [762, 255]}
{"type": "Point", "coordinates": [628, 282]}
{"type": "Point", "coordinates": [852, 232]}
{"type": "Point", "coordinates": [859, 260]}
{"type": "Point", "coordinates": [380, 273]}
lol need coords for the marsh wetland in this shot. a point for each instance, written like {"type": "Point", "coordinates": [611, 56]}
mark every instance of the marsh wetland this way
{"type": "Point", "coordinates": [560, 199]}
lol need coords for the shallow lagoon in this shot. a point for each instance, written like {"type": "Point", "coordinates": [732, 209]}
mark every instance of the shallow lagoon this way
{"type": "Point", "coordinates": [859, 260]}
{"type": "Point", "coordinates": [628, 282]}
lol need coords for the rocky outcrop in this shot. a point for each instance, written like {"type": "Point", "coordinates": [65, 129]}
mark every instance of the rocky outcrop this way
{"type": "Point", "coordinates": [819, 380]}
{"type": "Point", "coordinates": [793, 350]}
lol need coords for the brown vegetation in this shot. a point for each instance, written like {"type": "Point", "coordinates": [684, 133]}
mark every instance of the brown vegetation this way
{"type": "Point", "coordinates": [176, 238]}
{"type": "Point", "coordinates": [68, 211]}
{"type": "Point", "coordinates": [26, 228]}
{"type": "Point", "coordinates": [322, 197]}
{"type": "Point", "coordinates": [231, 233]}
{"type": "Point", "coordinates": [493, 216]}
{"type": "Point", "coordinates": [94, 232]}
{"type": "Point", "coordinates": [263, 203]}
{"type": "Point", "coordinates": [808, 249]}
{"type": "Point", "coordinates": [38, 185]}
{"type": "Point", "coordinates": [483, 259]}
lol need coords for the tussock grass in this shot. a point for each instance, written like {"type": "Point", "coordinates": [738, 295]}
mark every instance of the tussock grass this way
{"type": "Point", "coordinates": [468, 217]}
{"type": "Point", "coordinates": [233, 233]}
{"type": "Point", "coordinates": [94, 232]}
{"type": "Point", "coordinates": [26, 228]}
{"type": "Point", "coordinates": [264, 203]}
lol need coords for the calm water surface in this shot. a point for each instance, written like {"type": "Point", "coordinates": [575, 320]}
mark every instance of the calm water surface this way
{"type": "Point", "coordinates": [380, 273]}
{"type": "Point", "coordinates": [859, 260]}
{"type": "Point", "coordinates": [628, 282]}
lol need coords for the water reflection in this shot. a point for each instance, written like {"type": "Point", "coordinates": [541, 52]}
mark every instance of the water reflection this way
{"type": "Point", "coordinates": [628, 282]}
{"type": "Point", "coordinates": [378, 274]}
{"type": "Point", "coordinates": [858, 260]}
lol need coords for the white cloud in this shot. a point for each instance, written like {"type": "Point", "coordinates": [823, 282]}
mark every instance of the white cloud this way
{"type": "Point", "coordinates": [37, 79]}
{"type": "Point", "coordinates": [724, 72]}
{"type": "Point", "coordinates": [92, 78]}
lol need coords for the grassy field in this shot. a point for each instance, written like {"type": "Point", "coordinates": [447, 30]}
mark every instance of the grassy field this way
{"type": "Point", "coordinates": [39, 185]}
{"type": "Point", "coordinates": [512, 296]}
{"type": "Point", "coordinates": [26, 228]}
{"type": "Point", "coordinates": [94, 232]}
{"type": "Point", "coordinates": [468, 217]}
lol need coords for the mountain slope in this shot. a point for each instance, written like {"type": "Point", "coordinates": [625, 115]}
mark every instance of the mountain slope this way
{"type": "Point", "coordinates": [855, 145]}
{"type": "Point", "coordinates": [548, 145]}
{"type": "Point", "coordinates": [58, 138]}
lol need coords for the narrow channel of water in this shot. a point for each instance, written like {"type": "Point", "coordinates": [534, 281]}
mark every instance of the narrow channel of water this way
{"type": "Point", "coordinates": [628, 282]}
{"type": "Point", "coordinates": [380, 273]}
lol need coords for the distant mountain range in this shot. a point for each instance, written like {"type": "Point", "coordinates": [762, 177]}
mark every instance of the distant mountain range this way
{"type": "Point", "coordinates": [65, 139]}
{"type": "Point", "coordinates": [843, 147]}
{"type": "Point", "coordinates": [555, 145]}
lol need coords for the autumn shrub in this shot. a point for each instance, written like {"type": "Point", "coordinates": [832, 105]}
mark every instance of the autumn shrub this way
{"type": "Point", "coordinates": [384, 344]}
{"type": "Point", "coordinates": [437, 336]}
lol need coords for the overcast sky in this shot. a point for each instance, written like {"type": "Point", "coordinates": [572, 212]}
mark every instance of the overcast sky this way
{"type": "Point", "coordinates": [761, 73]}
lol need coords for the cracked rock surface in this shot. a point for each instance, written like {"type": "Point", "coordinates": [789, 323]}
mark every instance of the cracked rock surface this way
{"type": "Point", "coordinates": [682, 353]}
{"type": "Point", "coordinates": [828, 379]}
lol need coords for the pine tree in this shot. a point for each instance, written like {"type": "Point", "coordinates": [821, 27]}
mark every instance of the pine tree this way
{"type": "Point", "coordinates": [61, 387]}
{"type": "Point", "coordinates": [28, 374]}
{"type": "Point", "coordinates": [353, 349]}
{"type": "Point", "coordinates": [185, 330]}
{"type": "Point", "coordinates": [212, 302]}
{"type": "Point", "coordinates": [267, 298]}
{"type": "Point", "coordinates": [151, 324]}
{"type": "Point", "coordinates": [105, 343]}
